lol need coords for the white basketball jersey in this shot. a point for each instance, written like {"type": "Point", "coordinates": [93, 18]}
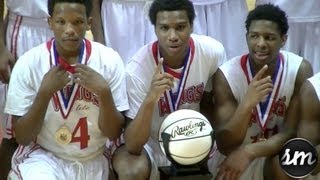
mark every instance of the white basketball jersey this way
{"type": "Point", "coordinates": [205, 56]}
{"type": "Point", "coordinates": [298, 10]}
{"type": "Point", "coordinates": [315, 81]}
{"type": "Point", "coordinates": [29, 8]}
{"type": "Point", "coordinates": [74, 107]}
{"type": "Point", "coordinates": [235, 73]}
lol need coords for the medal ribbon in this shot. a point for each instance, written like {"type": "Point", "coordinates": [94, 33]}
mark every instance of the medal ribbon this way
{"type": "Point", "coordinates": [174, 100]}
{"type": "Point", "coordinates": [65, 103]}
{"type": "Point", "coordinates": [264, 109]}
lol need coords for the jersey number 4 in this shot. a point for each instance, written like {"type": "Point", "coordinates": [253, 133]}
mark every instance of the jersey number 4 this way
{"type": "Point", "coordinates": [83, 137]}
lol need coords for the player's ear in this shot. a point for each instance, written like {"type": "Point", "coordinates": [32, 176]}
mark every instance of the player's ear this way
{"type": "Point", "coordinates": [284, 39]}
{"type": "Point", "coordinates": [89, 23]}
{"type": "Point", "coordinates": [50, 22]}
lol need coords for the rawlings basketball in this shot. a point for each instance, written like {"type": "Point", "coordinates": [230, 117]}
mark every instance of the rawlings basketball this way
{"type": "Point", "coordinates": [185, 136]}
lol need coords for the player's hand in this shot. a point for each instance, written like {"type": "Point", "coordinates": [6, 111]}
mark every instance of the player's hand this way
{"type": "Point", "coordinates": [259, 88]}
{"type": "Point", "coordinates": [7, 62]}
{"type": "Point", "coordinates": [54, 80]}
{"type": "Point", "coordinates": [90, 79]}
{"type": "Point", "coordinates": [161, 81]}
{"type": "Point", "coordinates": [235, 164]}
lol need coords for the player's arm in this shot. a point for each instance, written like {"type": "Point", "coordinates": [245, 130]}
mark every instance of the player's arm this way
{"type": "Point", "coordinates": [110, 120]}
{"type": "Point", "coordinates": [309, 123]}
{"type": "Point", "coordinates": [6, 59]}
{"type": "Point", "coordinates": [274, 144]}
{"type": "Point", "coordinates": [206, 105]}
{"type": "Point", "coordinates": [230, 125]}
{"type": "Point", "coordinates": [233, 118]}
{"type": "Point", "coordinates": [138, 132]}
{"type": "Point", "coordinates": [27, 127]}
{"type": "Point", "coordinates": [97, 27]}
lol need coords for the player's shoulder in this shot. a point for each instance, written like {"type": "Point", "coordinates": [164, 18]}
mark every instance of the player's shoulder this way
{"type": "Point", "coordinates": [104, 54]}
{"type": "Point", "coordinates": [206, 42]}
{"type": "Point", "coordinates": [232, 63]}
{"type": "Point", "coordinates": [142, 64]}
{"type": "Point", "coordinates": [142, 59]}
{"type": "Point", "coordinates": [100, 49]}
{"type": "Point", "coordinates": [34, 55]}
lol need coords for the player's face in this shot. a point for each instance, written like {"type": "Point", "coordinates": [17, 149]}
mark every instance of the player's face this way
{"type": "Point", "coordinates": [264, 41]}
{"type": "Point", "coordinates": [173, 32]}
{"type": "Point", "coordinates": [69, 24]}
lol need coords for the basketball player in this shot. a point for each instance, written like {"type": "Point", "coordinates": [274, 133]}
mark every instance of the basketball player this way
{"type": "Point", "coordinates": [304, 32]}
{"type": "Point", "coordinates": [122, 25]}
{"type": "Point", "coordinates": [70, 96]}
{"type": "Point", "coordinates": [256, 97]}
{"type": "Point", "coordinates": [310, 116]}
{"type": "Point", "coordinates": [26, 27]}
{"type": "Point", "coordinates": [171, 73]}
{"type": "Point", "coordinates": [211, 18]}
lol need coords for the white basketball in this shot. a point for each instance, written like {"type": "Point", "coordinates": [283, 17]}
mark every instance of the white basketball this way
{"type": "Point", "coordinates": [190, 136]}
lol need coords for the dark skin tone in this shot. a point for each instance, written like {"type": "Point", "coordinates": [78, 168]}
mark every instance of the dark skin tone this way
{"type": "Point", "coordinates": [173, 30]}
{"type": "Point", "coordinates": [97, 27]}
{"type": "Point", "coordinates": [7, 60]}
{"type": "Point", "coordinates": [309, 124]}
{"type": "Point", "coordinates": [232, 117]}
{"type": "Point", "coordinates": [69, 24]}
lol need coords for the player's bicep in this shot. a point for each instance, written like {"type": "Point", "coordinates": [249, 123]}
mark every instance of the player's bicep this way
{"type": "Point", "coordinates": [309, 123]}
{"type": "Point", "coordinates": [224, 101]}
{"type": "Point", "coordinates": [293, 114]}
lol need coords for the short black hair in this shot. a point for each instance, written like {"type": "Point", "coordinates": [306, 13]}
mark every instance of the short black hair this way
{"type": "Point", "coordinates": [171, 5]}
{"type": "Point", "coordinates": [86, 3]}
{"type": "Point", "coordinates": [269, 12]}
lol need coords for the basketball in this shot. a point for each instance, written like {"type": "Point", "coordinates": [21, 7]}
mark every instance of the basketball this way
{"type": "Point", "coordinates": [189, 137]}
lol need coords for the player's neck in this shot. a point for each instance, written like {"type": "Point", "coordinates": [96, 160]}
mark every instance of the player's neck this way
{"type": "Point", "coordinates": [176, 61]}
{"type": "Point", "coordinates": [70, 57]}
{"type": "Point", "coordinates": [270, 71]}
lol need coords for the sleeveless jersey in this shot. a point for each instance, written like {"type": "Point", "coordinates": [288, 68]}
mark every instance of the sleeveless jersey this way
{"type": "Point", "coordinates": [234, 73]}
{"type": "Point", "coordinates": [315, 81]}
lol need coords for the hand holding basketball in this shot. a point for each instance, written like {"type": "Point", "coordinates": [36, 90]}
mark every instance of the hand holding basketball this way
{"type": "Point", "coordinates": [161, 81]}
{"type": "Point", "coordinates": [259, 88]}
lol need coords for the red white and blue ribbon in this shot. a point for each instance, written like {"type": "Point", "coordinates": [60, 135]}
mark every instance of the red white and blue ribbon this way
{"type": "Point", "coordinates": [64, 100]}
{"type": "Point", "coordinates": [264, 109]}
{"type": "Point", "coordinates": [170, 97]}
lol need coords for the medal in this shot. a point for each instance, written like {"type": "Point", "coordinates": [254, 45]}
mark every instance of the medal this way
{"type": "Point", "coordinates": [63, 135]}
{"type": "Point", "coordinates": [262, 138]}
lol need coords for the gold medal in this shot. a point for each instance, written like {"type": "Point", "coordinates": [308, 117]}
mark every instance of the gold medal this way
{"type": "Point", "coordinates": [63, 135]}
